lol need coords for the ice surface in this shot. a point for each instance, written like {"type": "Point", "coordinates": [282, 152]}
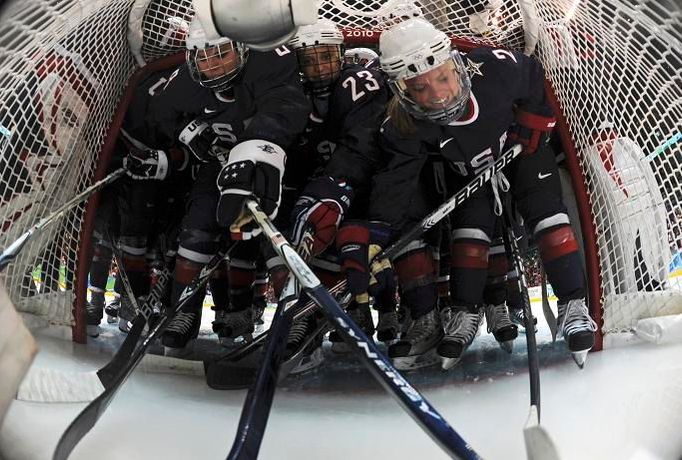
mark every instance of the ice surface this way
{"type": "Point", "coordinates": [625, 404]}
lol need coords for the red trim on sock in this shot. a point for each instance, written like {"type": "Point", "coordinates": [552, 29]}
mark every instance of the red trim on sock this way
{"type": "Point", "coordinates": [556, 243]}
{"type": "Point", "coordinates": [469, 255]}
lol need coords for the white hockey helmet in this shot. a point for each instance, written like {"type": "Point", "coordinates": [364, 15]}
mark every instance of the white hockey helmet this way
{"type": "Point", "coordinates": [413, 48]}
{"type": "Point", "coordinates": [319, 50]}
{"type": "Point", "coordinates": [213, 61]}
{"type": "Point", "coordinates": [398, 13]}
{"type": "Point", "coordinates": [359, 56]}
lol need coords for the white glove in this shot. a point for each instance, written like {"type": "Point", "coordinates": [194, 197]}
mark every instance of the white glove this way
{"type": "Point", "coordinates": [254, 169]}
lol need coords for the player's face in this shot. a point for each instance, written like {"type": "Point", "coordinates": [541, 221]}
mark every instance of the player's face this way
{"type": "Point", "coordinates": [321, 62]}
{"type": "Point", "coordinates": [216, 61]}
{"type": "Point", "coordinates": [436, 88]}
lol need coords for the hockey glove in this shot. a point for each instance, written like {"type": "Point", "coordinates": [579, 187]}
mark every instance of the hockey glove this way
{"type": "Point", "coordinates": [200, 139]}
{"type": "Point", "coordinates": [532, 128]}
{"type": "Point", "coordinates": [254, 169]}
{"type": "Point", "coordinates": [321, 208]}
{"type": "Point", "coordinates": [383, 282]}
{"type": "Point", "coordinates": [146, 164]}
{"type": "Point", "coordinates": [353, 245]}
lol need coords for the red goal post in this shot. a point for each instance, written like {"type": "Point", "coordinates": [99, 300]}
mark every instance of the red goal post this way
{"type": "Point", "coordinates": [614, 75]}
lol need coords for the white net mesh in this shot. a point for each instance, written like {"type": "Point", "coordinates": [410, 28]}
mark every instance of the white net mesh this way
{"type": "Point", "coordinates": [615, 67]}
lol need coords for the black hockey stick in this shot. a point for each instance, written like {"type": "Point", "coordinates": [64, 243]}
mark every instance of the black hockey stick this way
{"type": "Point", "coordinates": [428, 222]}
{"type": "Point", "coordinates": [107, 373]}
{"type": "Point", "coordinates": [256, 409]}
{"type": "Point", "coordinates": [539, 446]}
{"type": "Point", "coordinates": [84, 422]}
{"type": "Point", "coordinates": [13, 250]}
{"type": "Point", "coordinates": [237, 369]}
{"type": "Point", "coordinates": [379, 366]}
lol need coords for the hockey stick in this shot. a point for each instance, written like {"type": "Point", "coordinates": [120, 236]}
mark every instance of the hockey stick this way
{"type": "Point", "coordinates": [379, 366]}
{"type": "Point", "coordinates": [546, 309]}
{"type": "Point", "coordinates": [13, 250]}
{"type": "Point", "coordinates": [237, 369]}
{"type": "Point", "coordinates": [212, 371]}
{"type": "Point", "coordinates": [84, 422]}
{"type": "Point", "coordinates": [256, 409]}
{"type": "Point", "coordinates": [539, 446]}
{"type": "Point", "coordinates": [107, 373]}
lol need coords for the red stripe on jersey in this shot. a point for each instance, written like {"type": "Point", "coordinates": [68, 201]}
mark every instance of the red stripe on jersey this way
{"type": "Point", "coordinates": [469, 255]}
{"type": "Point", "coordinates": [557, 242]}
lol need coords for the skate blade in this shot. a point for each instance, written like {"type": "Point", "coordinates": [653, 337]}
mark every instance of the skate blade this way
{"type": "Point", "coordinates": [235, 341]}
{"type": "Point", "coordinates": [580, 357]}
{"type": "Point", "coordinates": [507, 346]}
{"type": "Point", "coordinates": [449, 363]}
{"type": "Point", "coordinates": [410, 363]}
{"type": "Point", "coordinates": [181, 353]}
{"type": "Point", "coordinates": [93, 331]}
{"type": "Point", "coordinates": [308, 363]}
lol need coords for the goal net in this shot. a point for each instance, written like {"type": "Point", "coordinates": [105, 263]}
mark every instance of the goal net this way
{"type": "Point", "coordinates": [614, 72]}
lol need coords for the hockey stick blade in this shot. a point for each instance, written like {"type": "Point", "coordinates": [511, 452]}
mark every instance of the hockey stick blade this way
{"type": "Point", "coordinates": [379, 366]}
{"type": "Point", "coordinates": [87, 418]}
{"type": "Point", "coordinates": [539, 446]}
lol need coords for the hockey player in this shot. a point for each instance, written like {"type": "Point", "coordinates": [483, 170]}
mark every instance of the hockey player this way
{"type": "Point", "coordinates": [234, 110]}
{"type": "Point", "coordinates": [360, 56]}
{"type": "Point", "coordinates": [460, 109]}
{"type": "Point", "coordinates": [338, 152]}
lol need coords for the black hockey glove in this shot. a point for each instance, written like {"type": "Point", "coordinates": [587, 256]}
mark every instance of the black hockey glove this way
{"type": "Point", "coordinates": [321, 207]}
{"type": "Point", "coordinates": [254, 169]}
{"type": "Point", "coordinates": [358, 242]}
{"type": "Point", "coordinates": [146, 164]}
{"type": "Point", "coordinates": [532, 128]}
{"type": "Point", "coordinates": [201, 141]}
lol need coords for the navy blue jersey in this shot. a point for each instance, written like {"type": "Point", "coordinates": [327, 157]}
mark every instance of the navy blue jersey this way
{"type": "Point", "coordinates": [266, 102]}
{"type": "Point", "coordinates": [135, 128]}
{"type": "Point", "coordinates": [340, 138]}
{"type": "Point", "coordinates": [501, 81]}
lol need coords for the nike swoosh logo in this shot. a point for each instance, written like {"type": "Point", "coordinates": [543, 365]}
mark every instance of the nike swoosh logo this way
{"type": "Point", "coordinates": [443, 143]}
{"type": "Point", "coordinates": [207, 110]}
{"type": "Point", "coordinates": [543, 176]}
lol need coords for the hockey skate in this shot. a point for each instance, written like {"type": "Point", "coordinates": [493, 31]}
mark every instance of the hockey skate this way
{"type": "Point", "coordinates": [416, 349]}
{"type": "Point", "coordinates": [112, 310]}
{"type": "Point", "coordinates": [388, 327]}
{"type": "Point", "coordinates": [304, 346]}
{"type": "Point", "coordinates": [578, 328]}
{"type": "Point", "coordinates": [497, 319]}
{"type": "Point", "coordinates": [461, 328]}
{"type": "Point", "coordinates": [362, 316]}
{"type": "Point", "coordinates": [181, 332]}
{"type": "Point", "coordinates": [94, 311]}
{"type": "Point", "coordinates": [517, 317]}
{"type": "Point", "coordinates": [233, 326]}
